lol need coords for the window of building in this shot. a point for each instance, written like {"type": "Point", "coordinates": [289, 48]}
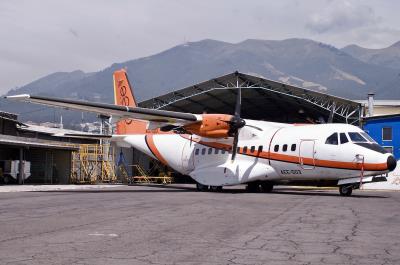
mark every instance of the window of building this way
{"type": "Point", "coordinates": [293, 147]}
{"type": "Point", "coordinates": [197, 151]}
{"type": "Point", "coordinates": [260, 148]}
{"type": "Point", "coordinates": [387, 133]}
{"type": "Point", "coordinates": [245, 149]}
{"type": "Point", "coordinates": [276, 148]}
{"type": "Point", "coordinates": [343, 138]}
{"type": "Point", "coordinates": [203, 151]}
{"type": "Point", "coordinates": [388, 149]}
{"type": "Point", "coordinates": [216, 151]}
{"type": "Point", "coordinates": [284, 148]}
{"type": "Point", "coordinates": [333, 139]}
{"type": "Point", "coordinates": [209, 151]}
{"type": "Point", "coordinates": [252, 149]}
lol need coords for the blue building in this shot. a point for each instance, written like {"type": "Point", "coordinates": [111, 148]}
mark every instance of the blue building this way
{"type": "Point", "coordinates": [385, 130]}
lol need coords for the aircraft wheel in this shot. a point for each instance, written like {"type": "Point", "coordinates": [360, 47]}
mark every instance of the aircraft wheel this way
{"type": "Point", "coordinates": [6, 179]}
{"type": "Point", "coordinates": [345, 190]}
{"type": "Point", "coordinates": [253, 187]}
{"type": "Point", "coordinates": [267, 187]}
{"type": "Point", "coordinates": [201, 187]}
{"type": "Point", "coordinates": [216, 188]}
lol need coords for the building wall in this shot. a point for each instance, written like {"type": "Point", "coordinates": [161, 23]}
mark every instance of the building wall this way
{"type": "Point", "coordinates": [374, 129]}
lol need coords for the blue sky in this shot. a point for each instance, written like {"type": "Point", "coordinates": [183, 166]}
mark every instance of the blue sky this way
{"type": "Point", "coordinates": [44, 36]}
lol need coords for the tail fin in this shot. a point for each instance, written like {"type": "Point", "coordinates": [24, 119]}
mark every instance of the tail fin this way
{"type": "Point", "coordinates": [123, 96]}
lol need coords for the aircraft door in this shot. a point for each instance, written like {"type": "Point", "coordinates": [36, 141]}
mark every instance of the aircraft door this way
{"type": "Point", "coordinates": [306, 154]}
{"type": "Point", "coordinates": [188, 156]}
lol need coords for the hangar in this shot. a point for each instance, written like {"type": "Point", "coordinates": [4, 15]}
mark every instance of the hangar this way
{"type": "Point", "coordinates": [262, 99]}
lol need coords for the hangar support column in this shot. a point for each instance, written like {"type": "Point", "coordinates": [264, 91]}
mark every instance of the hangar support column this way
{"type": "Point", "coordinates": [21, 166]}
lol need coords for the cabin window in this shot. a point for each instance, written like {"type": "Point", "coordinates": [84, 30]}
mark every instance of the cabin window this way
{"type": "Point", "coordinates": [260, 148]}
{"type": "Point", "coordinates": [203, 151]}
{"type": "Point", "coordinates": [387, 133]}
{"type": "Point", "coordinates": [293, 147]}
{"type": "Point", "coordinates": [209, 151]}
{"type": "Point", "coordinates": [333, 139]}
{"type": "Point", "coordinates": [343, 138]}
{"type": "Point", "coordinates": [356, 137]}
{"type": "Point", "coordinates": [252, 149]}
{"type": "Point", "coordinates": [223, 151]}
{"type": "Point", "coordinates": [245, 149]}
{"type": "Point", "coordinates": [216, 151]}
{"type": "Point", "coordinates": [284, 148]}
{"type": "Point", "coordinates": [197, 151]}
{"type": "Point", "coordinates": [276, 148]}
{"type": "Point", "coordinates": [238, 150]}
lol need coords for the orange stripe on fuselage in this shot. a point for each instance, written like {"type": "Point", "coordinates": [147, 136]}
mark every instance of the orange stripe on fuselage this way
{"type": "Point", "coordinates": [295, 159]}
{"type": "Point", "coordinates": [150, 144]}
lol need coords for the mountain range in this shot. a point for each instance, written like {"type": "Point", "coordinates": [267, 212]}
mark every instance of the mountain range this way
{"type": "Point", "coordinates": [351, 72]}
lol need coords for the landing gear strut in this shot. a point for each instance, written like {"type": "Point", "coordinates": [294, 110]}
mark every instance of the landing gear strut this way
{"type": "Point", "coordinates": [216, 188]}
{"type": "Point", "coordinates": [266, 187]}
{"type": "Point", "coordinates": [259, 186]}
{"type": "Point", "coordinates": [253, 187]}
{"type": "Point", "coordinates": [201, 187]}
{"type": "Point", "coordinates": [345, 190]}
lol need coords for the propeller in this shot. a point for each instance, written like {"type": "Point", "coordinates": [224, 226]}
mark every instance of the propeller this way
{"type": "Point", "coordinates": [236, 123]}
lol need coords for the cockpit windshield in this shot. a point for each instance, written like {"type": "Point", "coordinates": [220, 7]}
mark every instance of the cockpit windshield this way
{"type": "Point", "coordinates": [357, 137]}
{"type": "Point", "coordinates": [368, 137]}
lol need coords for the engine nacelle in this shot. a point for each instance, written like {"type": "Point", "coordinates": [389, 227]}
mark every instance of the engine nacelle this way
{"type": "Point", "coordinates": [211, 126]}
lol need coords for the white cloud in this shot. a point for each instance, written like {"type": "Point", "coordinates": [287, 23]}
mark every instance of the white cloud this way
{"type": "Point", "coordinates": [341, 16]}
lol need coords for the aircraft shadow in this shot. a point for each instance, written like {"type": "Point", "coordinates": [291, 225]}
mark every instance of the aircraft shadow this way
{"type": "Point", "coordinates": [174, 189]}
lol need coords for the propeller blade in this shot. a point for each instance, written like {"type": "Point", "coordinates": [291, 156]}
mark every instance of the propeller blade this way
{"type": "Point", "coordinates": [238, 102]}
{"type": "Point", "coordinates": [234, 145]}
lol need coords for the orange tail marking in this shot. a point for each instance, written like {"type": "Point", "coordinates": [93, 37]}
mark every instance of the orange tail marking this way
{"type": "Point", "coordinates": [123, 96]}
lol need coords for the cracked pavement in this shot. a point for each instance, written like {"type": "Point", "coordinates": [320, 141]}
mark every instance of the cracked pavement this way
{"type": "Point", "coordinates": [176, 225]}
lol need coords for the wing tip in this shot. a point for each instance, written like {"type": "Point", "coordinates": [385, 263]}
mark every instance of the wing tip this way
{"type": "Point", "coordinates": [18, 97]}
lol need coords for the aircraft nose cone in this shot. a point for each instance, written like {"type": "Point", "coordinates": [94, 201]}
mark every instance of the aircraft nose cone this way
{"type": "Point", "coordinates": [391, 163]}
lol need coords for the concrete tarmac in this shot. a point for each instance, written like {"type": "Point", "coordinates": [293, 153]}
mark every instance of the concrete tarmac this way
{"type": "Point", "coordinates": [177, 225]}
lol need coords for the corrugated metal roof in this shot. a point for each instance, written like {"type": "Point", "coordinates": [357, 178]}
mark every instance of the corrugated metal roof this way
{"type": "Point", "coordinates": [33, 142]}
{"type": "Point", "coordinates": [53, 131]}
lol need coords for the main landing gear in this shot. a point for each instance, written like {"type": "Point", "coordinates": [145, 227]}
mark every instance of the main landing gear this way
{"type": "Point", "coordinates": [345, 190]}
{"type": "Point", "coordinates": [259, 187]}
{"type": "Point", "coordinates": [201, 187]}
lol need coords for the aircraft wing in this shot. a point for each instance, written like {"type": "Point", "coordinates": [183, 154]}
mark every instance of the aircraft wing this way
{"type": "Point", "coordinates": [118, 112]}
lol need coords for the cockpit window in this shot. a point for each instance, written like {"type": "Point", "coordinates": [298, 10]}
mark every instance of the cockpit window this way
{"type": "Point", "coordinates": [343, 138]}
{"type": "Point", "coordinates": [368, 137]}
{"type": "Point", "coordinates": [357, 138]}
{"type": "Point", "coordinates": [333, 139]}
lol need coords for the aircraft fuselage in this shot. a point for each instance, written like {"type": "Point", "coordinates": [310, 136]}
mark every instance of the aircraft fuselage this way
{"type": "Point", "coordinates": [277, 152]}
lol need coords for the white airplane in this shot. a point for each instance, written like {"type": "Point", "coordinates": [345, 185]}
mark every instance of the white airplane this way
{"type": "Point", "coordinates": [218, 150]}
